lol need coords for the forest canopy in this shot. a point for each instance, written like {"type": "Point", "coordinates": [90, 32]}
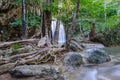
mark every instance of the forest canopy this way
{"type": "Point", "coordinates": [79, 14]}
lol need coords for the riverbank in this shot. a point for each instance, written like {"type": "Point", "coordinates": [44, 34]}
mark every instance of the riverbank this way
{"type": "Point", "coordinates": [78, 72]}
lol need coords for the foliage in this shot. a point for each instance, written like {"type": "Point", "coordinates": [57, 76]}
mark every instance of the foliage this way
{"type": "Point", "coordinates": [14, 49]}
{"type": "Point", "coordinates": [16, 3]}
{"type": "Point", "coordinates": [31, 20]}
{"type": "Point", "coordinates": [16, 23]}
{"type": "Point", "coordinates": [91, 11]}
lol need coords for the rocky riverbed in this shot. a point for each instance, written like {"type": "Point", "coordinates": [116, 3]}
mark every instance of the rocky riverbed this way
{"type": "Point", "coordinates": [73, 70]}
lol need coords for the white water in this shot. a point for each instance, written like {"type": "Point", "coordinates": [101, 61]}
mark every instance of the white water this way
{"type": "Point", "coordinates": [106, 71]}
{"type": "Point", "coordinates": [61, 37]}
{"type": "Point", "coordinates": [53, 26]}
{"type": "Point", "coordinates": [91, 75]}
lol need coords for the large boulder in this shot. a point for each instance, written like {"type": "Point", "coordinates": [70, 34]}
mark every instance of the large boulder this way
{"type": "Point", "coordinates": [96, 56]}
{"type": "Point", "coordinates": [42, 71]}
{"type": "Point", "coordinates": [72, 59]}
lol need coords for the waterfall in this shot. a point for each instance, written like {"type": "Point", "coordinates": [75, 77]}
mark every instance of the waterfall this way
{"type": "Point", "coordinates": [53, 26]}
{"type": "Point", "coordinates": [61, 37]}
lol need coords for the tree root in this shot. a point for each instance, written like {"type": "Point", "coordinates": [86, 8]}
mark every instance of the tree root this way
{"type": "Point", "coordinates": [39, 54]}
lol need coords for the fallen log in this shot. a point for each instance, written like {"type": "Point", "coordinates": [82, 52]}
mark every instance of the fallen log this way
{"type": "Point", "coordinates": [7, 44]}
{"type": "Point", "coordinates": [15, 57]}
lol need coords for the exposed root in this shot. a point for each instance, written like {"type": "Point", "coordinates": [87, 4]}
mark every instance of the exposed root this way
{"type": "Point", "coordinates": [39, 54]}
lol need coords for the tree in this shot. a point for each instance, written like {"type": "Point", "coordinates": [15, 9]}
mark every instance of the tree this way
{"type": "Point", "coordinates": [75, 17]}
{"type": "Point", "coordinates": [24, 29]}
{"type": "Point", "coordinates": [46, 19]}
{"type": "Point", "coordinates": [58, 23]}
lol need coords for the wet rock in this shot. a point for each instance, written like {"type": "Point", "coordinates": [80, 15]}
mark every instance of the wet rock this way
{"type": "Point", "coordinates": [91, 46]}
{"type": "Point", "coordinates": [72, 59]}
{"type": "Point", "coordinates": [97, 56]}
{"type": "Point", "coordinates": [41, 71]}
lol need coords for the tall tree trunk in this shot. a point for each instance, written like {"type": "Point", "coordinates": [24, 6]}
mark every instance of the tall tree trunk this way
{"type": "Point", "coordinates": [24, 29]}
{"type": "Point", "coordinates": [46, 21]}
{"type": "Point", "coordinates": [72, 28]}
{"type": "Point", "coordinates": [92, 32]}
{"type": "Point", "coordinates": [57, 27]}
{"type": "Point", "coordinates": [57, 31]}
{"type": "Point", "coordinates": [43, 25]}
{"type": "Point", "coordinates": [75, 16]}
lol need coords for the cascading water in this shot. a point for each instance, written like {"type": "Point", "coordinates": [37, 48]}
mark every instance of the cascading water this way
{"type": "Point", "coordinates": [53, 26]}
{"type": "Point", "coordinates": [61, 37]}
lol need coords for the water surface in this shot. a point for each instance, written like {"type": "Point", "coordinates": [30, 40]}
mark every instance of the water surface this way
{"type": "Point", "coordinates": [106, 71]}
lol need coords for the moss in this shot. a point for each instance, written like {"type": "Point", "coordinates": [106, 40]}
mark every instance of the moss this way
{"type": "Point", "coordinates": [98, 57]}
{"type": "Point", "coordinates": [15, 48]}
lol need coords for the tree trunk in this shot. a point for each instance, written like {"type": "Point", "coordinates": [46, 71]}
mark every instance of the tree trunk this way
{"type": "Point", "coordinates": [43, 25]}
{"type": "Point", "coordinates": [92, 32]}
{"type": "Point", "coordinates": [24, 30]}
{"type": "Point", "coordinates": [57, 31]}
{"type": "Point", "coordinates": [72, 28]}
{"type": "Point", "coordinates": [57, 27]}
{"type": "Point", "coordinates": [75, 16]}
{"type": "Point", "coordinates": [46, 21]}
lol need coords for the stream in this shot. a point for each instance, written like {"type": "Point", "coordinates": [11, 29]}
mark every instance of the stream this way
{"type": "Point", "coordinates": [106, 71]}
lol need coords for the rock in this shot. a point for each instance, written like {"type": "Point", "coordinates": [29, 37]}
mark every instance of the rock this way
{"type": "Point", "coordinates": [36, 70]}
{"type": "Point", "coordinates": [96, 56]}
{"type": "Point", "coordinates": [42, 42]}
{"type": "Point", "coordinates": [75, 45]}
{"type": "Point", "coordinates": [72, 59]}
{"type": "Point", "coordinates": [90, 45]}
{"type": "Point", "coordinates": [78, 45]}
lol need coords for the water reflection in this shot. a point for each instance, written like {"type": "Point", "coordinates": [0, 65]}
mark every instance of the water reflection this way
{"type": "Point", "coordinates": [106, 71]}
{"type": "Point", "coordinates": [114, 52]}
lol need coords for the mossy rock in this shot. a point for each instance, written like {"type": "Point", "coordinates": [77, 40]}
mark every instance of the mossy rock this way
{"type": "Point", "coordinates": [73, 59]}
{"type": "Point", "coordinates": [98, 57]}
